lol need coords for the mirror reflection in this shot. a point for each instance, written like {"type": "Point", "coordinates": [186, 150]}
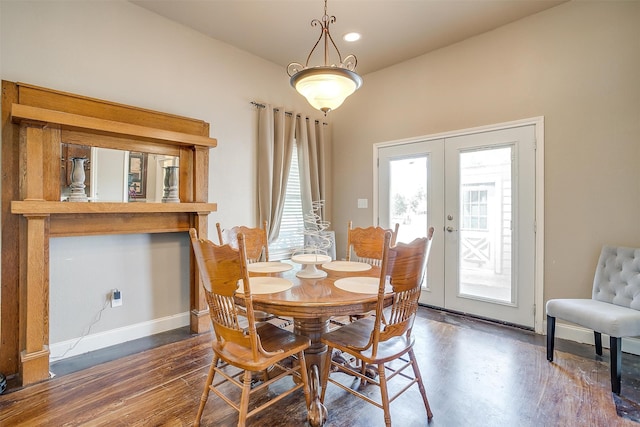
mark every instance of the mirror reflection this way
{"type": "Point", "coordinates": [114, 175]}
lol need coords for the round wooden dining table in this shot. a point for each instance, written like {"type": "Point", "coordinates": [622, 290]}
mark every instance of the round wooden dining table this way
{"type": "Point", "coordinates": [312, 303]}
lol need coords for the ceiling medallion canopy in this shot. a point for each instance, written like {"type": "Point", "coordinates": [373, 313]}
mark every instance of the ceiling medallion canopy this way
{"type": "Point", "coordinates": [325, 86]}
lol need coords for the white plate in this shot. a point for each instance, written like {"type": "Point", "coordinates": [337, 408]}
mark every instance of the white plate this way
{"type": "Point", "coordinates": [267, 285]}
{"type": "Point", "coordinates": [269, 267]}
{"type": "Point", "coordinates": [346, 266]}
{"type": "Point", "coordinates": [310, 258]}
{"type": "Point", "coordinates": [361, 285]}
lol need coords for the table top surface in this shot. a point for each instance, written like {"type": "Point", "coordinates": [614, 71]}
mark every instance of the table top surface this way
{"type": "Point", "coordinates": [309, 298]}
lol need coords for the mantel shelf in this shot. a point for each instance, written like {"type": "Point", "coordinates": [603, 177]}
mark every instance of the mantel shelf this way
{"type": "Point", "coordinates": [43, 207]}
{"type": "Point", "coordinates": [27, 113]}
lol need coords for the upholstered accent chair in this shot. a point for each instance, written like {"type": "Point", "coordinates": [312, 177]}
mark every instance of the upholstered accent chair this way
{"type": "Point", "coordinates": [614, 307]}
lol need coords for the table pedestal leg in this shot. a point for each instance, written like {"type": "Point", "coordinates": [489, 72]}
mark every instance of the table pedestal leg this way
{"type": "Point", "coordinates": [314, 355]}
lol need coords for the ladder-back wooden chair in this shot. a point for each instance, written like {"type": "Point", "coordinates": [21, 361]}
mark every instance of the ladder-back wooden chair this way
{"type": "Point", "coordinates": [257, 247]}
{"type": "Point", "coordinates": [238, 351]}
{"type": "Point", "coordinates": [384, 340]}
{"type": "Point", "coordinates": [255, 239]}
{"type": "Point", "coordinates": [366, 244]}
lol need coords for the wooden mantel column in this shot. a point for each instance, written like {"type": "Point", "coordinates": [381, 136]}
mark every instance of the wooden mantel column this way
{"type": "Point", "coordinates": [34, 307]}
{"type": "Point", "coordinates": [199, 320]}
{"type": "Point", "coordinates": [34, 280]}
{"type": "Point", "coordinates": [31, 160]}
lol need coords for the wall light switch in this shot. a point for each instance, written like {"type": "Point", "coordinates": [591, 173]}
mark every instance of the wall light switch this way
{"type": "Point", "coordinates": [363, 203]}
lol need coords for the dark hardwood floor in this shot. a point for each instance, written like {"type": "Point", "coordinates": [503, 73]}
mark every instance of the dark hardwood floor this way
{"type": "Point", "coordinates": [477, 374]}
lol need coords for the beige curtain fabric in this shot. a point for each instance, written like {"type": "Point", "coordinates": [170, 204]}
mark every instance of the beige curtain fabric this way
{"type": "Point", "coordinates": [310, 144]}
{"type": "Point", "coordinates": [277, 132]}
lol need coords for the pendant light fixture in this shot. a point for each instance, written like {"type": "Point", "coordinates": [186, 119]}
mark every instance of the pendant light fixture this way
{"type": "Point", "coordinates": [325, 86]}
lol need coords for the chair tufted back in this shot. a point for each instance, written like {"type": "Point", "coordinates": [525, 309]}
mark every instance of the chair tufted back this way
{"type": "Point", "coordinates": [617, 279]}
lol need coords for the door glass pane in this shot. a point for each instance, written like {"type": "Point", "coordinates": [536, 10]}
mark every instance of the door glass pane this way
{"type": "Point", "coordinates": [408, 197]}
{"type": "Point", "coordinates": [485, 227]}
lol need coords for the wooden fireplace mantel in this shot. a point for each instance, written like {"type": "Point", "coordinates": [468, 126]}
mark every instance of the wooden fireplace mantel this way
{"type": "Point", "coordinates": [35, 124]}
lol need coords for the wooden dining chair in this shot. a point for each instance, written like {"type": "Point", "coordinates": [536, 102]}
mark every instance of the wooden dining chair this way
{"type": "Point", "coordinates": [384, 340]}
{"type": "Point", "coordinates": [365, 244]}
{"type": "Point", "coordinates": [237, 351]}
{"type": "Point", "coordinates": [256, 242]}
{"type": "Point", "coordinates": [257, 247]}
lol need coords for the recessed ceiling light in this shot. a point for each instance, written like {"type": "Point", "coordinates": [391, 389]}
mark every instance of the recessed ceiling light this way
{"type": "Point", "coordinates": [351, 37]}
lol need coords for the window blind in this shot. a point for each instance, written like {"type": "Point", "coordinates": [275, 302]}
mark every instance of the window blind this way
{"type": "Point", "coordinates": [291, 235]}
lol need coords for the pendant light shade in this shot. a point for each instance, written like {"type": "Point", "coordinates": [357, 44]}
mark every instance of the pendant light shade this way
{"type": "Point", "coordinates": [325, 86]}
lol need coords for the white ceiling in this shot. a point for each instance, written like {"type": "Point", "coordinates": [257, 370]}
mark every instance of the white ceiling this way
{"type": "Point", "coordinates": [392, 31]}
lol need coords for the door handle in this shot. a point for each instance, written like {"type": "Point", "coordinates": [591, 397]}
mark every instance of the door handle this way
{"type": "Point", "coordinates": [450, 229]}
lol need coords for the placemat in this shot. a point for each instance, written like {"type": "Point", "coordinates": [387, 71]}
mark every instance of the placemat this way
{"type": "Point", "coordinates": [269, 267]}
{"type": "Point", "coordinates": [361, 285]}
{"type": "Point", "coordinates": [268, 285]}
{"type": "Point", "coordinates": [347, 266]}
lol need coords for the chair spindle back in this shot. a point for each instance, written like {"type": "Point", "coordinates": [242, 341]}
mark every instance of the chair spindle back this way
{"type": "Point", "coordinates": [222, 270]}
{"type": "Point", "coordinates": [256, 242]}
{"type": "Point", "coordinates": [367, 243]}
{"type": "Point", "coordinates": [405, 266]}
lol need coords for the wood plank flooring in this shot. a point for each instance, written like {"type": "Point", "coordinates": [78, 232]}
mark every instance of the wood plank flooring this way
{"type": "Point", "coordinates": [476, 374]}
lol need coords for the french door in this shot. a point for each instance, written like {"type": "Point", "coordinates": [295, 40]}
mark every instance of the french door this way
{"type": "Point", "coordinates": [478, 192]}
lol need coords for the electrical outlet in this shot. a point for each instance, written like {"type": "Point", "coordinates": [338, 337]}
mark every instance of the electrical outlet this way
{"type": "Point", "coordinates": [116, 298]}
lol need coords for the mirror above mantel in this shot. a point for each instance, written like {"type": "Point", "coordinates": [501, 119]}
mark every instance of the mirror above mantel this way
{"type": "Point", "coordinates": [112, 175]}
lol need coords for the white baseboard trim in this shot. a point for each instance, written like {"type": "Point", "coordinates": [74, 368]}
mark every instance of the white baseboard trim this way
{"type": "Point", "coordinates": [583, 335]}
{"type": "Point", "coordinates": [116, 336]}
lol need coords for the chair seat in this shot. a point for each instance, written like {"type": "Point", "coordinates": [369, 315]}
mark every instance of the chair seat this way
{"type": "Point", "coordinates": [356, 334]}
{"type": "Point", "coordinates": [603, 317]}
{"type": "Point", "coordinates": [272, 338]}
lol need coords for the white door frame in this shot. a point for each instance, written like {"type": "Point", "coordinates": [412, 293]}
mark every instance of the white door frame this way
{"type": "Point", "coordinates": [538, 123]}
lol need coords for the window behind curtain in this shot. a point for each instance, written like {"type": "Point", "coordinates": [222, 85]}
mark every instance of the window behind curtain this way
{"type": "Point", "coordinates": [292, 225]}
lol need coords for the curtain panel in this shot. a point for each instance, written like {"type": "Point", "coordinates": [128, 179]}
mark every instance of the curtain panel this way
{"type": "Point", "coordinates": [278, 130]}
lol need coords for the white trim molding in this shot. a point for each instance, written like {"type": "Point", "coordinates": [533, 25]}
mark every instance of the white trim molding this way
{"type": "Point", "coordinates": [585, 336]}
{"type": "Point", "coordinates": [97, 341]}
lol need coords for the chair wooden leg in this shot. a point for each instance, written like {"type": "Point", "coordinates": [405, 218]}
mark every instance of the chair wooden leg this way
{"type": "Point", "coordinates": [597, 337]}
{"type": "Point", "coordinates": [551, 331]}
{"type": "Point", "coordinates": [615, 349]}
{"type": "Point", "coordinates": [244, 399]}
{"type": "Point", "coordinates": [384, 394]}
{"type": "Point", "coordinates": [363, 371]}
{"type": "Point", "coordinates": [423, 392]}
{"type": "Point", "coordinates": [205, 393]}
{"type": "Point", "coordinates": [326, 370]}
{"type": "Point", "coordinates": [305, 377]}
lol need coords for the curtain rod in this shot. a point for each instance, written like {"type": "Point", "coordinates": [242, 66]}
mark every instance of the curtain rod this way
{"type": "Point", "coordinates": [288, 113]}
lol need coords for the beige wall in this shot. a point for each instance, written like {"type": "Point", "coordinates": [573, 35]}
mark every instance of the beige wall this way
{"type": "Point", "coordinates": [118, 51]}
{"type": "Point", "coordinates": [578, 65]}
